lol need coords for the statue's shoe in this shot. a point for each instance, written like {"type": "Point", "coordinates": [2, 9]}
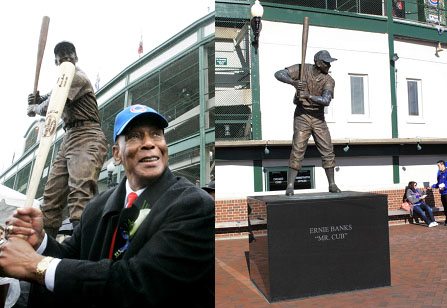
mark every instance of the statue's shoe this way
{"type": "Point", "coordinates": [289, 191]}
{"type": "Point", "coordinates": [333, 188]}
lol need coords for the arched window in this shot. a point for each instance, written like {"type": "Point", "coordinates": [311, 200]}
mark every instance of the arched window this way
{"type": "Point", "coordinates": [31, 139]}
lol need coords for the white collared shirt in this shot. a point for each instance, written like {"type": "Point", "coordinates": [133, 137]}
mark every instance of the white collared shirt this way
{"type": "Point", "coordinates": [50, 274]}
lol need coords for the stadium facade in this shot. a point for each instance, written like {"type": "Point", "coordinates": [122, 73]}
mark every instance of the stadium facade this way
{"type": "Point", "coordinates": [386, 119]}
{"type": "Point", "coordinates": [176, 79]}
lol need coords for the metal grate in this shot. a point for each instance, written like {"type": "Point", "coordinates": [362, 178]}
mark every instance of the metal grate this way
{"type": "Point", "coordinates": [427, 11]}
{"type": "Point", "coordinates": [186, 163]}
{"type": "Point", "coordinates": [233, 113]}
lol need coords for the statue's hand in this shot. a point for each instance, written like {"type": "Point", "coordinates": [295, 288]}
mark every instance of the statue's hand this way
{"type": "Point", "coordinates": [31, 110]}
{"type": "Point", "coordinates": [304, 93]}
{"type": "Point", "coordinates": [35, 99]}
{"type": "Point", "coordinates": [301, 86]}
{"type": "Point", "coordinates": [31, 99]}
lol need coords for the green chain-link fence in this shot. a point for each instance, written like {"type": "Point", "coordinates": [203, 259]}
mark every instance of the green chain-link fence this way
{"type": "Point", "coordinates": [233, 86]}
{"type": "Point", "coordinates": [429, 11]}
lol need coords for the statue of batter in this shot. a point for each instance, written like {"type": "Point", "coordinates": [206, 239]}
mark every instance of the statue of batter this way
{"type": "Point", "coordinates": [74, 174]}
{"type": "Point", "coordinates": [313, 92]}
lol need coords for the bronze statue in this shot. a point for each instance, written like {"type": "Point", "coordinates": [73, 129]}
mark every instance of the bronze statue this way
{"type": "Point", "coordinates": [314, 91]}
{"type": "Point", "coordinates": [74, 174]}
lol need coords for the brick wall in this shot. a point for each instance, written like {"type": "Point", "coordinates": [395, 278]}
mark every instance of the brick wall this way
{"type": "Point", "coordinates": [235, 211]}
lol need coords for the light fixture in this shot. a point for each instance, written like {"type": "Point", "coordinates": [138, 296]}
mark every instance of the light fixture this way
{"type": "Point", "coordinates": [266, 149]}
{"type": "Point", "coordinates": [110, 169]}
{"type": "Point", "coordinates": [419, 147]}
{"type": "Point", "coordinates": [395, 57]}
{"type": "Point", "coordinates": [256, 12]}
{"type": "Point", "coordinates": [346, 148]}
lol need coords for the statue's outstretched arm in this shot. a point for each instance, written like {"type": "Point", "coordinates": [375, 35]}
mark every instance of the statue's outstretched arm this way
{"type": "Point", "coordinates": [283, 76]}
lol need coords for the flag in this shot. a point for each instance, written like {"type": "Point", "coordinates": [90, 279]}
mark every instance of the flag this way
{"type": "Point", "coordinates": [97, 82]}
{"type": "Point", "coordinates": [140, 47]}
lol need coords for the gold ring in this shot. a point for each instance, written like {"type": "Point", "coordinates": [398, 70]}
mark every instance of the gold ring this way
{"type": "Point", "coordinates": [9, 229]}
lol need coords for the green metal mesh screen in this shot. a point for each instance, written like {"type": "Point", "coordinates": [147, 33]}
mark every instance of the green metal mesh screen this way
{"type": "Point", "coordinates": [10, 182]}
{"type": "Point", "coordinates": [186, 163]}
{"type": "Point", "coordinates": [233, 113]}
{"type": "Point", "coordinates": [429, 11]}
{"type": "Point", "coordinates": [108, 114]}
{"type": "Point", "coordinates": [22, 179]}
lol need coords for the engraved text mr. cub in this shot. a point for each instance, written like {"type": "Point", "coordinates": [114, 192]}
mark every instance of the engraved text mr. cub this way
{"type": "Point", "coordinates": [329, 233]}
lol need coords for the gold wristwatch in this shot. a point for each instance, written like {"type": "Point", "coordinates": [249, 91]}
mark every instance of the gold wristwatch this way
{"type": "Point", "coordinates": [41, 268]}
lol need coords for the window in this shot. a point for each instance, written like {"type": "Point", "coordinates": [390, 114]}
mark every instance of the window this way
{"type": "Point", "coordinates": [31, 139]}
{"type": "Point", "coordinates": [414, 98]}
{"type": "Point", "coordinates": [359, 97]}
{"type": "Point", "coordinates": [276, 178]}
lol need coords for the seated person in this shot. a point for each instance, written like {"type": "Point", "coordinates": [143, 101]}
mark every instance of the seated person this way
{"type": "Point", "coordinates": [414, 197]}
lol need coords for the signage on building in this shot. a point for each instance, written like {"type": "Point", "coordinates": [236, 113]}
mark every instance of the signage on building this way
{"type": "Point", "coordinates": [278, 180]}
{"type": "Point", "coordinates": [221, 61]}
{"type": "Point", "coordinates": [434, 11]}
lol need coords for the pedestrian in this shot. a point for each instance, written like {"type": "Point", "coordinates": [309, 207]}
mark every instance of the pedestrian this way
{"type": "Point", "coordinates": [441, 182]}
{"type": "Point", "coordinates": [415, 197]}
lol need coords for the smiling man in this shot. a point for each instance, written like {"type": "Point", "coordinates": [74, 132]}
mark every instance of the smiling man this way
{"type": "Point", "coordinates": [149, 242]}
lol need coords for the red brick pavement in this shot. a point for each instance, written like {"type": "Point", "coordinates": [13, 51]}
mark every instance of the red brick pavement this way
{"type": "Point", "coordinates": [418, 275]}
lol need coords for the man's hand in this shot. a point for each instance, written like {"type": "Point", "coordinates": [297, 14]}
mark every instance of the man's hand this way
{"type": "Point", "coordinates": [27, 223]}
{"type": "Point", "coordinates": [18, 259]}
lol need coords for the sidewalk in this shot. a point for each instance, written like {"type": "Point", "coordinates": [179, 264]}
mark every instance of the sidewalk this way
{"type": "Point", "coordinates": [418, 275]}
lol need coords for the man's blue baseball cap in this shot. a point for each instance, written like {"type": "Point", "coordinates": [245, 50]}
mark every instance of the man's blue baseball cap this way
{"type": "Point", "coordinates": [127, 115]}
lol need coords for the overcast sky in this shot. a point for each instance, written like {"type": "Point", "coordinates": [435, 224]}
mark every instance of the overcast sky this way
{"type": "Point", "coordinates": [106, 35]}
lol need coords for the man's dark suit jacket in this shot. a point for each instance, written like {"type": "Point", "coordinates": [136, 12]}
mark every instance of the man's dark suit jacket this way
{"type": "Point", "coordinates": [169, 262]}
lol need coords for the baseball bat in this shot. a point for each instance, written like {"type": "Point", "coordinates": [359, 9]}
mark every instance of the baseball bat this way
{"type": "Point", "coordinates": [55, 107]}
{"type": "Point", "coordinates": [304, 45]}
{"type": "Point", "coordinates": [41, 50]}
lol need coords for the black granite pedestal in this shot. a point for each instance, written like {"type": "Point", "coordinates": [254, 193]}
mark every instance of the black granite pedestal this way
{"type": "Point", "coordinates": [319, 243]}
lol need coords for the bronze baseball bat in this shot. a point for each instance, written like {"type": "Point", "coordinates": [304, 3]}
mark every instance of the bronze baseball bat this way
{"type": "Point", "coordinates": [304, 45]}
{"type": "Point", "coordinates": [41, 49]}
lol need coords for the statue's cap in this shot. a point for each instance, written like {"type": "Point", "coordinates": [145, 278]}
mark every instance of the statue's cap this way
{"type": "Point", "coordinates": [323, 55]}
{"type": "Point", "coordinates": [64, 46]}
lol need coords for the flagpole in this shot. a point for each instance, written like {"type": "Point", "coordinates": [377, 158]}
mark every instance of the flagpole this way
{"type": "Point", "coordinates": [140, 46]}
